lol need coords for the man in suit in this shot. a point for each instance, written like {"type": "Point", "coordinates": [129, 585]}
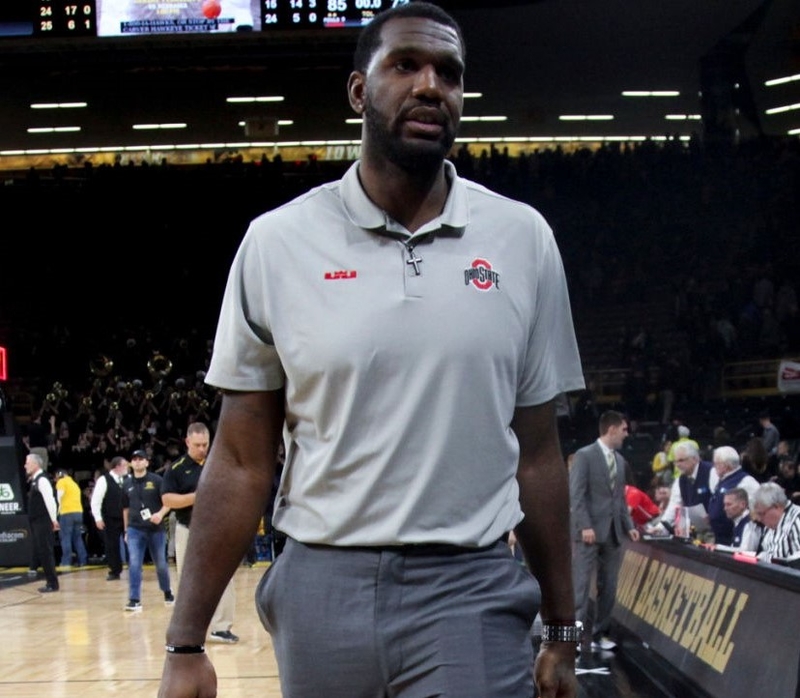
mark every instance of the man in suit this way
{"type": "Point", "coordinates": [600, 523]}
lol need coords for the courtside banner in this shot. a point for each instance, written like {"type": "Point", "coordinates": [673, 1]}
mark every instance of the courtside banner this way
{"type": "Point", "coordinates": [789, 377]}
{"type": "Point", "coordinates": [715, 620]}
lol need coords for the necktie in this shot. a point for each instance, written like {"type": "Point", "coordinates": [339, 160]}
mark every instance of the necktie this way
{"type": "Point", "coordinates": [612, 467]}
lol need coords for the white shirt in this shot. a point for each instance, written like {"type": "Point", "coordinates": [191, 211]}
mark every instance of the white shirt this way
{"type": "Point", "coordinates": [99, 493]}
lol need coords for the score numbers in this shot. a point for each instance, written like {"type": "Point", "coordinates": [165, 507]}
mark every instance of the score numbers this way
{"type": "Point", "coordinates": [65, 18]}
{"type": "Point", "coordinates": [293, 14]}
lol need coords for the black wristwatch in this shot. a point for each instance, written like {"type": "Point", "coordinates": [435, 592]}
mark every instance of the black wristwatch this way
{"type": "Point", "coordinates": [562, 633]}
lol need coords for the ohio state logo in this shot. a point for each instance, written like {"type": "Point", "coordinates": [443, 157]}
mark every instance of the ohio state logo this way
{"type": "Point", "coordinates": [481, 276]}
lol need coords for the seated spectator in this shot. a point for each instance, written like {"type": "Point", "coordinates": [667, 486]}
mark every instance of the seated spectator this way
{"type": "Point", "coordinates": [642, 508]}
{"type": "Point", "coordinates": [788, 478]}
{"type": "Point", "coordinates": [661, 496]}
{"type": "Point", "coordinates": [747, 533]}
{"type": "Point", "coordinates": [756, 461]}
{"type": "Point", "coordinates": [781, 520]}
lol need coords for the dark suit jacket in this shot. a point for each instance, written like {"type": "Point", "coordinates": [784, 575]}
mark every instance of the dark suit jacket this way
{"type": "Point", "coordinates": [594, 503]}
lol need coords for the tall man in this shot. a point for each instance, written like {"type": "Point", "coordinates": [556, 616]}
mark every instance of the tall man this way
{"type": "Point", "coordinates": [42, 516]}
{"type": "Point", "coordinates": [600, 524]}
{"type": "Point", "coordinates": [413, 329]}
{"type": "Point", "coordinates": [143, 513]}
{"type": "Point", "coordinates": [178, 492]}
{"type": "Point", "coordinates": [106, 506]}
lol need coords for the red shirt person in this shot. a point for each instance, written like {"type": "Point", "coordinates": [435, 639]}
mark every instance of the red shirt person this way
{"type": "Point", "coordinates": [642, 508]}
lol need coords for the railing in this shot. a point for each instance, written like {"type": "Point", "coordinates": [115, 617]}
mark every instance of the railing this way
{"type": "Point", "coordinates": [739, 379]}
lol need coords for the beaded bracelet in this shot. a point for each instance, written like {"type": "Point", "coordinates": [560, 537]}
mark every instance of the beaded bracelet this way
{"type": "Point", "coordinates": [185, 649]}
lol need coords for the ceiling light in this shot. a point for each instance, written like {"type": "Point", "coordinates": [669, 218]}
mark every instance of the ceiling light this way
{"type": "Point", "coordinates": [586, 117]}
{"type": "Point", "coordinates": [781, 81]}
{"type": "Point", "coordinates": [55, 129]}
{"type": "Point", "coordinates": [651, 93]}
{"type": "Point", "coordinates": [683, 117]}
{"type": "Point", "coordinates": [484, 118]}
{"type": "Point", "coordinates": [58, 105]}
{"type": "Point", "coordinates": [473, 95]}
{"type": "Point", "coordinates": [155, 127]}
{"type": "Point", "coordinates": [248, 100]}
{"type": "Point", "coordinates": [280, 122]}
{"type": "Point", "coordinates": [780, 110]}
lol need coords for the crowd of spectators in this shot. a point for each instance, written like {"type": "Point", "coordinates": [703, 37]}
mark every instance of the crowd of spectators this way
{"type": "Point", "coordinates": [116, 272]}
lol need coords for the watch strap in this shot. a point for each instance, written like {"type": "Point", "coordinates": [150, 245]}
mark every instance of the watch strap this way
{"type": "Point", "coordinates": [562, 633]}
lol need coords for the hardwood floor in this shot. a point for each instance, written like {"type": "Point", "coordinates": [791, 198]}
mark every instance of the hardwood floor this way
{"type": "Point", "coordinates": [80, 643]}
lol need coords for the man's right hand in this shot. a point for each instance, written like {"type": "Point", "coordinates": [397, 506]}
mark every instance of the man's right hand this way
{"type": "Point", "coordinates": [188, 676]}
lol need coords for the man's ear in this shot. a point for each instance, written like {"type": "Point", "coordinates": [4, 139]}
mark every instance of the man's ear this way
{"type": "Point", "coordinates": [355, 91]}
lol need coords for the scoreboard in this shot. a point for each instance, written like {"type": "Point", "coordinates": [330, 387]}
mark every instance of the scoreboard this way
{"type": "Point", "coordinates": [107, 18]}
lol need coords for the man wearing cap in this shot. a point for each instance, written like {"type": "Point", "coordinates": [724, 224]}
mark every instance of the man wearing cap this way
{"type": "Point", "coordinates": [70, 519]}
{"type": "Point", "coordinates": [143, 514]}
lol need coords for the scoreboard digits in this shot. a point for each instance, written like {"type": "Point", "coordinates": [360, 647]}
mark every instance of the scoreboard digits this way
{"type": "Point", "coordinates": [65, 18]}
{"type": "Point", "coordinates": [323, 14]}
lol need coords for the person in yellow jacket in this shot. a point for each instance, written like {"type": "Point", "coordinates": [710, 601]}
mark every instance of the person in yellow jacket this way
{"type": "Point", "coordinates": [70, 519]}
{"type": "Point", "coordinates": [662, 467]}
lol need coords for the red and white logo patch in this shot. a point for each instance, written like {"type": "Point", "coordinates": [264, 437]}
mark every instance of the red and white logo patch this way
{"type": "Point", "coordinates": [481, 275]}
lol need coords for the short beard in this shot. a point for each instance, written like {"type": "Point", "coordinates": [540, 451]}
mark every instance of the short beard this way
{"type": "Point", "coordinates": [421, 157]}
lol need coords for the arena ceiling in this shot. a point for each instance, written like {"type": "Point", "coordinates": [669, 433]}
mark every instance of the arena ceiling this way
{"type": "Point", "coordinates": [532, 62]}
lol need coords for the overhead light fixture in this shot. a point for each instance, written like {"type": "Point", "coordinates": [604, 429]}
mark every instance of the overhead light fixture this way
{"type": "Point", "coordinates": [473, 95]}
{"type": "Point", "coordinates": [250, 100]}
{"type": "Point", "coordinates": [780, 110]}
{"type": "Point", "coordinates": [484, 118]}
{"type": "Point", "coordinates": [280, 122]}
{"type": "Point", "coordinates": [156, 127]}
{"type": "Point", "coordinates": [59, 105]}
{"type": "Point", "coordinates": [55, 129]}
{"type": "Point", "coordinates": [782, 81]}
{"type": "Point", "coordinates": [586, 117]}
{"type": "Point", "coordinates": [651, 93]}
{"type": "Point", "coordinates": [683, 117]}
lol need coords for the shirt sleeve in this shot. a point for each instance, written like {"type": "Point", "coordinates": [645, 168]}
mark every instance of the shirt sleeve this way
{"type": "Point", "coordinates": [97, 498]}
{"type": "Point", "coordinates": [46, 490]}
{"type": "Point", "coordinates": [675, 500]}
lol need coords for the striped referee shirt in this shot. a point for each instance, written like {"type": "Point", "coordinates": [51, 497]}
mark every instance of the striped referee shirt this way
{"type": "Point", "coordinates": [784, 539]}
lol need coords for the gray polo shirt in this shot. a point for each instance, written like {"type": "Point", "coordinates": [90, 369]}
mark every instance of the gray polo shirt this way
{"type": "Point", "coordinates": [401, 382]}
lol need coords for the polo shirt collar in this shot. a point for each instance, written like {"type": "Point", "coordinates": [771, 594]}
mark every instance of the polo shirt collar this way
{"type": "Point", "coordinates": [367, 216]}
